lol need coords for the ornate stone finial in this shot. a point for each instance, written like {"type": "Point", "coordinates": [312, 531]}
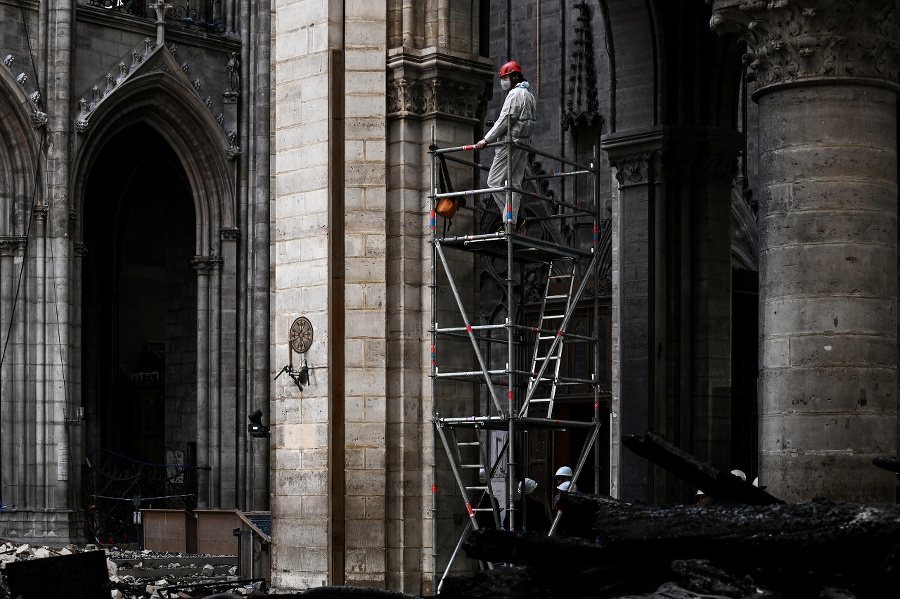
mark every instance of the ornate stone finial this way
{"type": "Point", "coordinates": [135, 58]}
{"type": "Point", "coordinates": [790, 41]}
{"type": "Point", "coordinates": [220, 119]}
{"type": "Point", "coordinates": [233, 67]}
{"type": "Point", "coordinates": [173, 50]}
{"type": "Point", "coordinates": [123, 70]}
{"type": "Point", "coordinates": [96, 94]}
{"type": "Point", "coordinates": [583, 103]}
{"type": "Point", "coordinates": [8, 61]}
{"type": "Point", "coordinates": [21, 79]}
{"type": "Point", "coordinates": [35, 98]}
{"type": "Point", "coordinates": [160, 7]}
{"type": "Point", "coordinates": [196, 85]}
{"type": "Point", "coordinates": [148, 46]}
{"type": "Point", "coordinates": [84, 107]}
{"type": "Point", "coordinates": [208, 103]}
{"type": "Point", "coordinates": [110, 82]}
{"type": "Point", "coordinates": [185, 68]}
{"type": "Point", "coordinates": [232, 136]}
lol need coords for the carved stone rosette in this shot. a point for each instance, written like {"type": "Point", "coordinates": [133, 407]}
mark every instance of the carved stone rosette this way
{"type": "Point", "coordinates": [791, 40]}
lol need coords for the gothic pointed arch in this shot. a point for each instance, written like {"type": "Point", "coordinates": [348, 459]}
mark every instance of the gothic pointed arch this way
{"type": "Point", "coordinates": [157, 93]}
{"type": "Point", "coordinates": [20, 138]}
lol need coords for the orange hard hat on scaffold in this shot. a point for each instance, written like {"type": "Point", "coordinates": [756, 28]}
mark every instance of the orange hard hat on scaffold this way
{"type": "Point", "coordinates": [511, 67]}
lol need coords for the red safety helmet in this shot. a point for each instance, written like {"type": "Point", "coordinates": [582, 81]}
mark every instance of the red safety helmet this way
{"type": "Point", "coordinates": [509, 68]}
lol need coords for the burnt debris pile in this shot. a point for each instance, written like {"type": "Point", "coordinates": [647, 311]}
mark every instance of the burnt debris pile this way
{"type": "Point", "coordinates": [745, 543]}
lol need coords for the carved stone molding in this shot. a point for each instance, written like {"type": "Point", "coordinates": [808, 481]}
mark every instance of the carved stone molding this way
{"type": "Point", "coordinates": [790, 40]}
{"type": "Point", "coordinates": [205, 265]}
{"type": "Point", "coordinates": [11, 245]}
{"type": "Point", "coordinates": [80, 250]}
{"type": "Point", "coordinates": [33, 100]}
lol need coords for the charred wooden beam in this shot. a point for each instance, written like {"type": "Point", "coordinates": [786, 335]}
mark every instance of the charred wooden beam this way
{"type": "Point", "coordinates": [718, 484]}
{"type": "Point", "coordinates": [892, 464]}
{"type": "Point", "coordinates": [830, 540]}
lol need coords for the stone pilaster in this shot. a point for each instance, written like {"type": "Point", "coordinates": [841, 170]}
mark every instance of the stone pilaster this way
{"type": "Point", "coordinates": [828, 255]}
{"type": "Point", "coordinates": [672, 297]}
{"type": "Point", "coordinates": [426, 89]}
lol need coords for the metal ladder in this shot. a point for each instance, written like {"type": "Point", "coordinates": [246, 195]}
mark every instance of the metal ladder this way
{"type": "Point", "coordinates": [549, 325]}
{"type": "Point", "coordinates": [454, 448]}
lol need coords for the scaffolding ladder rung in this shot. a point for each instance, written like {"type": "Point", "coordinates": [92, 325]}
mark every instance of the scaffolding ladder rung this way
{"type": "Point", "coordinates": [556, 297]}
{"type": "Point", "coordinates": [546, 337]}
{"type": "Point", "coordinates": [471, 466]}
{"type": "Point", "coordinates": [477, 488]}
{"type": "Point", "coordinates": [540, 400]}
{"type": "Point", "coordinates": [567, 276]}
{"type": "Point", "coordinates": [542, 358]}
{"type": "Point", "coordinates": [482, 509]}
{"type": "Point", "coordinates": [553, 316]}
{"type": "Point", "coordinates": [468, 443]}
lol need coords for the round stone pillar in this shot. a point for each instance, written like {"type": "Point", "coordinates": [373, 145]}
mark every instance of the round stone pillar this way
{"type": "Point", "coordinates": [827, 93]}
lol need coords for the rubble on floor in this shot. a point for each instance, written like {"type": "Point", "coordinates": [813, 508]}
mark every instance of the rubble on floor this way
{"type": "Point", "coordinates": [143, 574]}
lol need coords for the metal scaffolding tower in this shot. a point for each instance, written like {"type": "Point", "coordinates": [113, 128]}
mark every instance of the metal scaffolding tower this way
{"type": "Point", "coordinates": [535, 353]}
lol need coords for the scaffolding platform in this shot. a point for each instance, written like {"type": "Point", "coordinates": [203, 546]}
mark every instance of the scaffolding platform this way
{"type": "Point", "coordinates": [519, 392]}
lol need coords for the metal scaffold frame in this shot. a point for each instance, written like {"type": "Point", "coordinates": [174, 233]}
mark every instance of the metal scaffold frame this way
{"type": "Point", "coordinates": [517, 412]}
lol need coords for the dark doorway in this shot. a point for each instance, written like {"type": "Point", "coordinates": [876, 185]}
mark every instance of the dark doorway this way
{"type": "Point", "coordinates": [139, 301]}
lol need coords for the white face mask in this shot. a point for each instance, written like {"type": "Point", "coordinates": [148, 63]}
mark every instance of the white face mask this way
{"type": "Point", "coordinates": [505, 85]}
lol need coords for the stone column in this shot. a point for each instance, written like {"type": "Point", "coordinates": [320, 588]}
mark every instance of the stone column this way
{"type": "Point", "coordinates": [827, 76]}
{"type": "Point", "coordinates": [639, 313]}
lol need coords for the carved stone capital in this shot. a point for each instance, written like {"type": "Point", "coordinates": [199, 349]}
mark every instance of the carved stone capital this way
{"type": "Point", "coordinates": [40, 212]}
{"type": "Point", "coordinates": [633, 169]}
{"type": "Point", "coordinates": [205, 265]}
{"type": "Point", "coordinates": [230, 234]}
{"type": "Point", "coordinates": [10, 246]}
{"type": "Point", "coordinates": [430, 85]}
{"type": "Point", "coordinates": [436, 97]}
{"type": "Point", "coordinates": [80, 250]}
{"type": "Point", "coordinates": [791, 41]}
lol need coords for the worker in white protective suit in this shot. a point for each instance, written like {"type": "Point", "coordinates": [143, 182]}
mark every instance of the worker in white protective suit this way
{"type": "Point", "coordinates": [520, 106]}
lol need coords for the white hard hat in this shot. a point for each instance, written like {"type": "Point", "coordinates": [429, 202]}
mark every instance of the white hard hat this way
{"type": "Point", "coordinates": [527, 486]}
{"type": "Point", "coordinates": [740, 474]}
{"type": "Point", "coordinates": [564, 486]}
{"type": "Point", "coordinates": [564, 471]}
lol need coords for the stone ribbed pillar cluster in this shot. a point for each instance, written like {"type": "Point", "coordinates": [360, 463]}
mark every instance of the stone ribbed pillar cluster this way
{"type": "Point", "coordinates": [828, 233]}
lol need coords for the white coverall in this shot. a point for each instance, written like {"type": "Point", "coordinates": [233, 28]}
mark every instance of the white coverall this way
{"type": "Point", "coordinates": [520, 104]}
